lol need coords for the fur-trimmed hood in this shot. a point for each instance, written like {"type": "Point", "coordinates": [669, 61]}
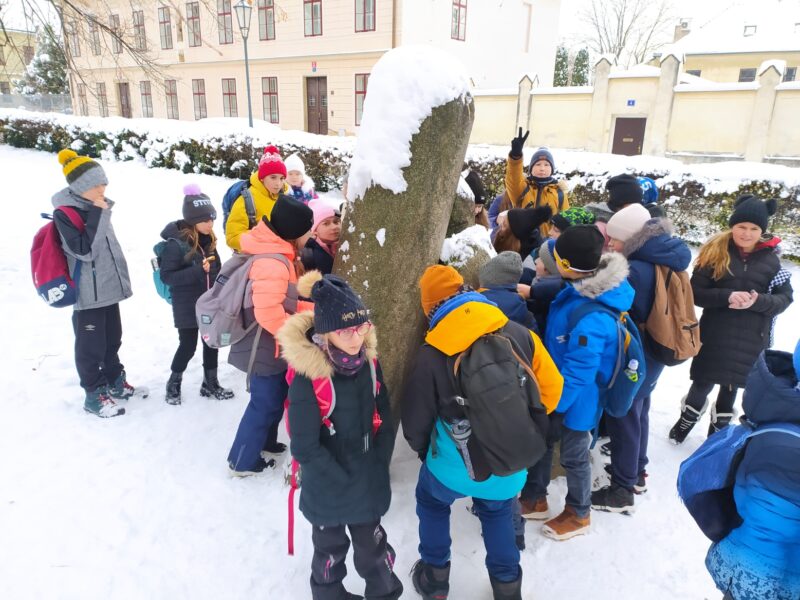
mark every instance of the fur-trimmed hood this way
{"type": "Point", "coordinates": [655, 244]}
{"type": "Point", "coordinates": [653, 228]}
{"type": "Point", "coordinates": [303, 355]}
{"type": "Point", "coordinates": [610, 276]}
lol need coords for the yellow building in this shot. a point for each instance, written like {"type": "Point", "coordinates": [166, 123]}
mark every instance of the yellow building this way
{"type": "Point", "coordinates": [17, 48]}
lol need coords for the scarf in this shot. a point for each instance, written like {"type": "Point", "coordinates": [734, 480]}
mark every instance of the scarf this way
{"type": "Point", "coordinates": [343, 363]}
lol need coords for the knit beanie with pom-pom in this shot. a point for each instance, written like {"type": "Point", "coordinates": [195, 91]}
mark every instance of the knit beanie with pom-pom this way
{"type": "Point", "coordinates": [197, 207]}
{"type": "Point", "coordinates": [82, 172]}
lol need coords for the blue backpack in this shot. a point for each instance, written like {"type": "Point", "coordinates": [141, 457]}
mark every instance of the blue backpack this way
{"type": "Point", "coordinates": [162, 288]}
{"type": "Point", "coordinates": [240, 188]}
{"type": "Point", "coordinates": [617, 396]}
{"type": "Point", "coordinates": [706, 478]}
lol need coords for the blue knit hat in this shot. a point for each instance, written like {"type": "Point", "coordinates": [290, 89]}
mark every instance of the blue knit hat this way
{"type": "Point", "coordinates": [542, 154]}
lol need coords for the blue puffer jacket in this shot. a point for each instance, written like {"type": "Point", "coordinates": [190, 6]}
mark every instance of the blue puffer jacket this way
{"type": "Point", "coordinates": [760, 559]}
{"type": "Point", "coordinates": [591, 348]}
{"type": "Point", "coordinates": [652, 245]}
{"type": "Point", "coordinates": [512, 304]}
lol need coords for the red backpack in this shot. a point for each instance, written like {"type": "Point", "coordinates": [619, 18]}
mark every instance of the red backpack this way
{"type": "Point", "coordinates": [51, 277]}
{"type": "Point", "coordinates": [326, 399]}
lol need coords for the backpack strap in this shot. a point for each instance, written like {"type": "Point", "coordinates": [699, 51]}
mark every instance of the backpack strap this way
{"type": "Point", "coordinates": [522, 195]}
{"type": "Point", "coordinates": [249, 205]}
{"type": "Point", "coordinates": [560, 198]}
{"type": "Point", "coordinates": [74, 217]}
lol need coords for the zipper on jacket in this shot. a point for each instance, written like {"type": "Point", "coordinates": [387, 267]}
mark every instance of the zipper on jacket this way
{"type": "Point", "coordinates": [538, 196]}
{"type": "Point", "coordinates": [94, 280]}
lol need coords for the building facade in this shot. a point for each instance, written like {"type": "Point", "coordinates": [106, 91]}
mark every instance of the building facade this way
{"type": "Point", "coordinates": [17, 48]}
{"type": "Point", "coordinates": [310, 60]}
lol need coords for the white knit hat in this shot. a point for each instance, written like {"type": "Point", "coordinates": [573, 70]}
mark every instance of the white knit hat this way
{"type": "Point", "coordinates": [625, 223]}
{"type": "Point", "coordinates": [294, 163]}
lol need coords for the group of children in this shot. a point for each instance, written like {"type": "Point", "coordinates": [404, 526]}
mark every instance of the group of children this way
{"type": "Point", "coordinates": [312, 326]}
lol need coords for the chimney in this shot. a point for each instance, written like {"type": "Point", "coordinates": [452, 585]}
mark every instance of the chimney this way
{"type": "Point", "coordinates": [681, 29]}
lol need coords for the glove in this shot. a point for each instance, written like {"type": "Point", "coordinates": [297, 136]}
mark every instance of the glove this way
{"type": "Point", "coordinates": [554, 431]}
{"type": "Point", "coordinates": [517, 143]}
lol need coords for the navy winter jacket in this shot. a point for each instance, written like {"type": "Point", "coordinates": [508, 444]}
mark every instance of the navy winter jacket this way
{"type": "Point", "coordinates": [543, 291]}
{"type": "Point", "coordinates": [512, 304]}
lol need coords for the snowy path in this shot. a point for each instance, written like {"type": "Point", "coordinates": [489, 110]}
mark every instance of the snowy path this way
{"type": "Point", "coordinates": [142, 506]}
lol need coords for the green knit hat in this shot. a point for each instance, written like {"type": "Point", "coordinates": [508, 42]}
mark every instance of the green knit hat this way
{"type": "Point", "coordinates": [575, 215]}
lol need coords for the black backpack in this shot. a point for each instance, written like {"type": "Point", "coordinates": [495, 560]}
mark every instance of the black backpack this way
{"type": "Point", "coordinates": [499, 394]}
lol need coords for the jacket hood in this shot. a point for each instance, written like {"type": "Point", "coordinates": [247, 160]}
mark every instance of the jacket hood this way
{"type": "Point", "coordinates": [67, 197]}
{"type": "Point", "coordinates": [770, 394]}
{"type": "Point", "coordinates": [262, 240]}
{"type": "Point", "coordinates": [655, 244]}
{"type": "Point", "coordinates": [462, 320]}
{"type": "Point", "coordinates": [172, 231]}
{"type": "Point", "coordinates": [303, 355]}
{"type": "Point", "coordinates": [608, 284]}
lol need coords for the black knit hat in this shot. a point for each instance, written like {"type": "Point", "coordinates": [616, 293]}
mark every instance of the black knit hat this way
{"type": "Point", "coordinates": [476, 185]}
{"type": "Point", "coordinates": [336, 305]}
{"type": "Point", "coordinates": [579, 248]}
{"type": "Point", "coordinates": [524, 221]}
{"type": "Point", "coordinates": [623, 190]}
{"type": "Point", "coordinates": [197, 207]}
{"type": "Point", "coordinates": [749, 209]}
{"type": "Point", "coordinates": [290, 218]}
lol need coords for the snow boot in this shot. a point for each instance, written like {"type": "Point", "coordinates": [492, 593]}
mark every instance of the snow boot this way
{"type": "Point", "coordinates": [211, 387]}
{"type": "Point", "coordinates": [507, 590]}
{"type": "Point", "coordinates": [640, 487]}
{"type": "Point", "coordinates": [613, 498]}
{"type": "Point", "coordinates": [121, 389]}
{"type": "Point", "coordinates": [432, 583]}
{"type": "Point", "coordinates": [174, 388]}
{"type": "Point", "coordinates": [566, 525]}
{"type": "Point", "coordinates": [689, 418]}
{"type": "Point", "coordinates": [719, 422]}
{"type": "Point", "coordinates": [535, 510]}
{"type": "Point", "coordinates": [99, 403]}
{"type": "Point", "coordinates": [260, 466]}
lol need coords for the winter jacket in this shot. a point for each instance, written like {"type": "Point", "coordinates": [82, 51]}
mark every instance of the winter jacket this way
{"type": "Point", "coordinates": [494, 211]}
{"type": "Point", "coordinates": [304, 193]}
{"type": "Point", "coordinates": [589, 352]}
{"type": "Point", "coordinates": [527, 192]}
{"type": "Point", "coordinates": [430, 397]}
{"type": "Point", "coordinates": [543, 291]}
{"type": "Point", "coordinates": [270, 300]}
{"type": "Point", "coordinates": [511, 303]}
{"type": "Point", "coordinates": [238, 223]}
{"type": "Point", "coordinates": [733, 339]}
{"type": "Point", "coordinates": [318, 256]}
{"type": "Point", "coordinates": [652, 245]}
{"type": "Point", "coordinates": [759, 560]}
{"type": "Point", "coordinates": [341, 482]}
{"type": "Point", "coordinates": [104, 278]}
{"type": "Point", "coordinates": [184, 274]}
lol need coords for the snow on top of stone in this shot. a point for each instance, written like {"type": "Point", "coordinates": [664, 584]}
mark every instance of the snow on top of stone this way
{"type": "Point", "coordinates": [460, 247]}
{"type": "Point", "coordinates": [714, 86]}
{"type": "Point", "coordinates": [780, 66]}
{"type": "Point", "coordinates": [405, 86]}
{"type": "Point", "coordinates": [635, 71]}
{"type": "Point", "coordinates": [495, 92]}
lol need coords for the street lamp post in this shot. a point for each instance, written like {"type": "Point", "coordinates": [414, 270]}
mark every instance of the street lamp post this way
{"type": "Point", "coordinates": [243, 13]}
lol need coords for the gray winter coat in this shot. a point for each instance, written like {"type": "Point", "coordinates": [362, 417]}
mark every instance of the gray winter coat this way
{"type": "Point", "coordinates": [104, 278]}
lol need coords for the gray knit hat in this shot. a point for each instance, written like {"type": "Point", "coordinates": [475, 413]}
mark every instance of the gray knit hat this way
{"type": "Point", "coordinates": [546, 254]}
{"type": "Point", "coordinates": [503, 269]}
{"type": "Point", "coordinates": [197, 207]}
{"type": "Point", "coordinates": [82, 172]}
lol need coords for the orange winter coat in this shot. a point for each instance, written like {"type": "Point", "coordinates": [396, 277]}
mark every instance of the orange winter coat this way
{"type": "Point", "coordinates": [517, 185]}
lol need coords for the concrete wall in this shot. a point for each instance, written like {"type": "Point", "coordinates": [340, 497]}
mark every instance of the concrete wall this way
{"type": "Point", "coordinates": [784, 141]}
{"type": "Point", "coordinates": [560, 120]}
{"type": "Point", "coordinates": [712, 122]}
{"type": "Point", "coordinates": [495, 115]}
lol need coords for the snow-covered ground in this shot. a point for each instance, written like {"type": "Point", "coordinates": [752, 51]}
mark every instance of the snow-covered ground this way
{"type": "Point", "coordinates": [142, 506]}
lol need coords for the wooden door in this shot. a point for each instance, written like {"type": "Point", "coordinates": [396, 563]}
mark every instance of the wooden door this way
{"type": "Point", "coordinates": [628, 136]}
{"type": "Point", "coordinates": [124, 93]}
{"type": "Point", "coordinates": [317, 104]}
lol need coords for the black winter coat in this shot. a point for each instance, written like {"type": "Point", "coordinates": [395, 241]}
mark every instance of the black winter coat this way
{"type": "Point", "coordinates": [184, 274]}
{"type": "Point", "coordinates": [315, 258]}
{"type": "Point", "coordinates": [733, 339]}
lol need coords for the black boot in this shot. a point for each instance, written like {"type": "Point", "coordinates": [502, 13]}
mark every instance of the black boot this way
{"type": "Point", "coordinates": [507, 590]}
{"type": "Point", "coordinates": [432, 583]}
{"type": "Point", "coordinates": [211, 387]}
{"type": "Point", "coordinates": [174, 388]}
{"type": "Point", "coordinates": [719, 422]}
{"type": "Point", "coordinates": [681, 429]}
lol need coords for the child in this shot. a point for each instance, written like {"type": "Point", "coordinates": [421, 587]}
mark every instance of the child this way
{"type": "Point", "coordinates": [302, 186]}
{"type": "Point", "coordinates": [498, 279]}
{"type": "Point", "coordinates": [545, 286]}
{"type": "Point", "coordinates": [520, 231]}
{"type": "Point", "coordinates": [572, 216]}
{"type": "Point", "coordinates": [103, 283]}
{"type": "Point", "coordinates": [321, 248]}
{"type": "Point", "coordinates": [189, 266]}
{"type": "Point", "coordinates": [273, 299]}
{"type": "Point", "coordinates": [345, 467]}
{"type": "Point", "coordinates": [479, 192]}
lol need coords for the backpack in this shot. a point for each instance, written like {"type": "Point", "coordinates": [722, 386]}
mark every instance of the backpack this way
{"type": "Point", "coordinates": [49, 268]}
{"type": "Point", "coordinates": [162, 288]}
{"type": "Point", "coordinates": [325, 392]}
{"type": "Point", "coordinates": [240, 188]}
{"type": "Point", "coordinates": [672, 332]}
{"type": "Point", "coordinates": [499, 394]}
{"type": "Point", "coordinates": [616, 397]}
{"type": "Point", "coordinates": [707, 477]}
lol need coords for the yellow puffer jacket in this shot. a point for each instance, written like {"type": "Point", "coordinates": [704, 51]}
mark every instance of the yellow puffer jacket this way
{"type": "Point", "coordinates": [516, 182]}
{"type": "Point", "coordinates": [238, 222]}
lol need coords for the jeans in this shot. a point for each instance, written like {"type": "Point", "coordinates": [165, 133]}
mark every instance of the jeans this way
{"type": "Point", "coordinates": [575, 460]}
{"type": "Point", "coordinates": [433, 509]}
{"type": "Point", "coordinates": [187, 345]}
{"type": "Point", "coordinates": [98, 338]}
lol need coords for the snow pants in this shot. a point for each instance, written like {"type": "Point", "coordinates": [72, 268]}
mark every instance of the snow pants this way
{"type": "Point", "coordinates": [98, 338]}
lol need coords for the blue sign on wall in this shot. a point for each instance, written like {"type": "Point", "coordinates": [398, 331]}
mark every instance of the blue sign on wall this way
{"type": "Point", "coordinates": [631, 102]}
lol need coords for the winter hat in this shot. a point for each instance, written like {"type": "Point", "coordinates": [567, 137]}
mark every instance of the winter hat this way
{"type": "Point", "coordinates": [290, 218]}
{"type": "Point", "coordinates": [197, 207]}
{"type": "Point", "coordinates": [336, 305]}
{"type": "Point", "coordinates": [623, 189]}
{"type": "Point", "coordinates": [82, 172]}
{"type": "Point", "coordinates": [476, 185]}
{"type": "Point", "coordinates": [749, 209]}
{"type": "Point", "coordinates": [271, 163]}
{"type": "Point", "coordinates": [293, 162]}
{"type": "Point", "coordinates": [503, 269]}
{"type": "Point", "coordinates": [438, 283]}
{"type": "Point", "coordinates": [575, 215]}
{"type": "Point", "coordinates": [546, 254]}
{"type": "Point", "coordinates": [649, 190]}
{"type": "Point", "coordinates": [322, 210]}
{"type": "Point", "coordinates": [542, 153]}
{"type": "Point", "coordinates": [625, 223]}
{"type": "Point", "coordinates": [524, 221]}
{"type": "Point", "coordinates": [579, 248]}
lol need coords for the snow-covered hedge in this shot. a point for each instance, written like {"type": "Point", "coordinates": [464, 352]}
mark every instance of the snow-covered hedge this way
{"type": "Point", "coordinates": [699, 197]}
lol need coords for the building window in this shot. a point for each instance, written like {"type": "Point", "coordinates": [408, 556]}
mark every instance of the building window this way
{"type": "Point", "coordinates": [269, 97]}
{"type": "Point", "coordinates": [365, 15]}
{"type": "Point", "coordinates": [458, 22]}
{"type": "Point", "coordinates": [165, 27]}
{"type": "Point", "coordinates": [83, 102]}
{"type": "Point", "coordinates": [749, 30]}
{"type": "Point", "coordinates": [171, 87]}
{"type": "Point", "coordinates": [73, 38]}
{"type": "Point", "coordinates": [312, 14]}
{"type": "Point", "coordinates": [199, 97]}
{"type": "Point", "coordinates": [695, 72]}
{"type": "Point", "coordinates": [139, 36]}
{"type": "Point", "coordinates": [5, 87]}
{"type": "Point", "coordinates": [266, 19]}
{"type": "Point", "coordinates": [94, 36]}
{"type": "Point", "coordinates": [746, 75]}
{"type": "Point", "coordinates": [27, 54]}
{"type": "Point", "coordinates": [225, 21]}
{"type": "Point", "coordinates": [102, 99]}
{"type": "Point", "coordinates": [229, 108]}
{"type": "Point", "coordinates": [362, 79]}
{"type": "Point", "coordinates": [116, 42]}
{"type": "Point", "coordinates": [193, 22]}
{"type": "Point", "coordinates": [790, 74]}
{"type": "Point", "coordinates": [147, 99]}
